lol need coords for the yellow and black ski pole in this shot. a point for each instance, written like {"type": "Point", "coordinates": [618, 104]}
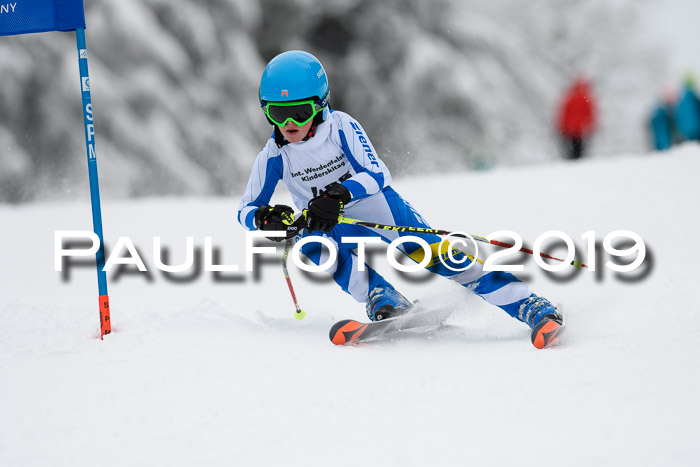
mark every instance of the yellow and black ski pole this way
{"type": "Point", "coordinates": [424, 230]}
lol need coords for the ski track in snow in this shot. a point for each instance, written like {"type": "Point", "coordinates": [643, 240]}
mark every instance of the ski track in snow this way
{"type": "Point", "coordinates": [213, 373]}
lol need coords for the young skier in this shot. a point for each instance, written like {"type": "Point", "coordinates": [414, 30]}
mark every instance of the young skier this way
{"type": "Point", "coordinates": [329, 166]}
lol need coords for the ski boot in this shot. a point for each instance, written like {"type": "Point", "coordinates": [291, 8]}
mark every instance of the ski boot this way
{"type": "Point", "coordinates": [385, 302]}
{"type": "Point", "coordinates": [544, 319]}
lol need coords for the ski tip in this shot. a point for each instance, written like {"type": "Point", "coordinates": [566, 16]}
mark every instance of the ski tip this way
{"type": "Point", "coordinates": [546, 334]}
{"type": "Point", "coordinates": [346, 331]}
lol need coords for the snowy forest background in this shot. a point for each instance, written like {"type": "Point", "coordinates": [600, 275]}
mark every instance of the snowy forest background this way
{"type": "Point", "coordinates": [439, 85]}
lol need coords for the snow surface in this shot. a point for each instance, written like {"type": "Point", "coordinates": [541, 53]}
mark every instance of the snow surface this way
{"type": "Point", "coordinates": [212, 373]}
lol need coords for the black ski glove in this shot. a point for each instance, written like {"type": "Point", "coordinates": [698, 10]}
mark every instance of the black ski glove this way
{"type": "Point", "coordinates": [279, 218]}
{"type": "Point", "coordinates": [324, 209]}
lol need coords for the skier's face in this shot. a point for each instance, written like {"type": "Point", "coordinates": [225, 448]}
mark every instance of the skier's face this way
{"type": "Point", "coordinates": [295, 133]}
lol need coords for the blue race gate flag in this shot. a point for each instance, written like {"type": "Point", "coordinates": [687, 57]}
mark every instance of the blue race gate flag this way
{"type": "Point", "coordinates": [28, 16]}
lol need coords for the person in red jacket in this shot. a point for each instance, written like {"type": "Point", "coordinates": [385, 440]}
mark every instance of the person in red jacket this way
{"type": "Point", "coordinates": [576, 120]}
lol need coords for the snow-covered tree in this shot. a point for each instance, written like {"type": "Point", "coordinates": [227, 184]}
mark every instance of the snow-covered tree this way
{"type": "Point", "coordinates": [438, 84]}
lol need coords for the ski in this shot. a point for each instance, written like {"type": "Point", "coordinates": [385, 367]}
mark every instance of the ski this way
{"type": "Point", "coordinates": [548, 331]}
{"type": "Point", "coordinates": [349, 331]}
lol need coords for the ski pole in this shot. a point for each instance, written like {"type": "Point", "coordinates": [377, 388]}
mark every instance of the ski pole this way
{"type": "Point", "coordinates": [424, 230]}
{"type": "Point", "coordinates": [299, 313]}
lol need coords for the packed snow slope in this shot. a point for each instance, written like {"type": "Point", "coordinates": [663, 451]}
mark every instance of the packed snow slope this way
{"type": "Point", "coordinates": [218, 372]}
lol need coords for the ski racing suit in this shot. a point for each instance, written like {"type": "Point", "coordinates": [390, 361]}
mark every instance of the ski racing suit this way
{"type": "Point", "coordinates": [340, 151]}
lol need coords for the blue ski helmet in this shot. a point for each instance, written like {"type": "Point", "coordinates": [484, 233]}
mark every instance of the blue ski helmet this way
{"type": "Point", "coordinates": [294, 76]}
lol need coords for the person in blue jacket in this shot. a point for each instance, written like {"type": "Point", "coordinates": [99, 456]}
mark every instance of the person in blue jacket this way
{"type": "Point", "coordinates": [662, 124]}
{"type": "Point", "coordinates": [688, 113]}
{"type": "Point", "coordinates": [329, 166]}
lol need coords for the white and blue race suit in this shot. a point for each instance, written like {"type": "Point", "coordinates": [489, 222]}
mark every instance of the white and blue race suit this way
{"type": "Point", "coordinates": [340, 151]}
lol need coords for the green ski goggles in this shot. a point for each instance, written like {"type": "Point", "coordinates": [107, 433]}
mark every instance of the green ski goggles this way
{"type": "Point", "coordinates": [300, 112]}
